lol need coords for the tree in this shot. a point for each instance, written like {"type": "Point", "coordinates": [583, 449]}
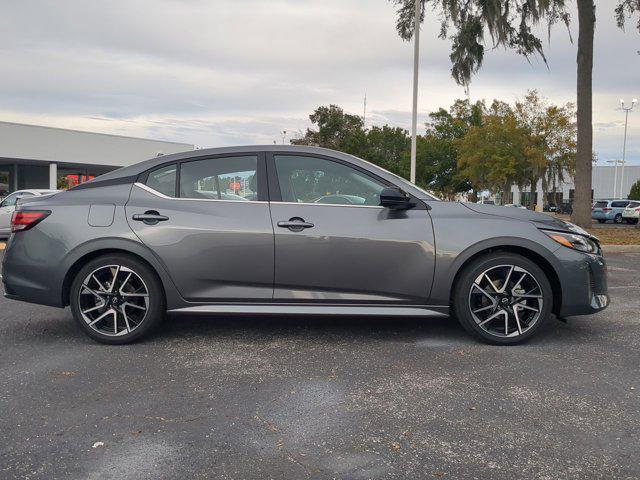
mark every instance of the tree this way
{"type": "Point", "coordinates": [437, 151]}
{"type": "Point", "coordinates": [509, 24]}
{"type": "Point", "coordinates": [336, 130]}
{"type": "Point", "coordinates": [553, 132]}
{"type": "Point", "coordinates": [387, 147]}
{"type": "Point", "coordinates": [499, 153]}
{"type": "Point", "coordinates": [634, 194]}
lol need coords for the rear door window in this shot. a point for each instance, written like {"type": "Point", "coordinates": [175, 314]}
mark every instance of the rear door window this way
{"type": "Point", "coordinates": [633, 205]}
{"type": "Point", "coordinates": [220, 178]}
{"type": "Point", "coordinates": [619, 204]}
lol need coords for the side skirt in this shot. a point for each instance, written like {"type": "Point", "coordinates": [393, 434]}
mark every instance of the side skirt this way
{"type": "Point", "coordinates": [324, 309]}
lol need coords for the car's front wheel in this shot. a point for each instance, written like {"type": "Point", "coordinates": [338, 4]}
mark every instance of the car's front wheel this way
{"type": "Point", "coordinates": [117, 299]}
{"type": "Point", "coordinates": [502, 298]}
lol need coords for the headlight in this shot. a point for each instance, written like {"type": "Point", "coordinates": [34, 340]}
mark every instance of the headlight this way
{"type": "Point", "coordinates": [572, 240]}
{"type": "Point", "coordinates": [576, 229]}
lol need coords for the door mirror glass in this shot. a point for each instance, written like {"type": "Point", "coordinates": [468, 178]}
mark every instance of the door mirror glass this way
{"type": "Point", "coordinates": [393, 197]}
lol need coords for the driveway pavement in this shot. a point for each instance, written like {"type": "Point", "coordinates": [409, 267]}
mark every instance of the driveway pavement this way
{"type": "Point", "coordinates": [260, 398]}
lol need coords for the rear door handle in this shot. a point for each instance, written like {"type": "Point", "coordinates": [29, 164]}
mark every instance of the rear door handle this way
{"type": "Point", "coordinates": [150, 217]}
{"type": "Point", "coordinates": [295, 224]}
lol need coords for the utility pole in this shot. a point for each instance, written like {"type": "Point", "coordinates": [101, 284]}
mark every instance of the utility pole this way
{"type": "Point", "coordinates": [414, 113]}
{"type": "Point", "coordinates": [624, 144]}
{"type": "Point", "coordinates": [364, 113]}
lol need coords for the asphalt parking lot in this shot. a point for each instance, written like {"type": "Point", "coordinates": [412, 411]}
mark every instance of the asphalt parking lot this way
{"type": "Point", "coordinates": [246, 398]}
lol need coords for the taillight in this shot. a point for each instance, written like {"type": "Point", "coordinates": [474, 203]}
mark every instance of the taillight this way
{"type": "Point", "coordinates": [606, 209]}
{"type": "Point", "coordinates": [21, 221]}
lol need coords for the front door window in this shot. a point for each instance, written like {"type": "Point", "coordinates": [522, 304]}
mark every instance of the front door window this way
{"type": "Point", "coordinates": [315, 180]}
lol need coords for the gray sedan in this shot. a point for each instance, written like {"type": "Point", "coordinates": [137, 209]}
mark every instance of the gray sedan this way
{"type": "Point", "coordinates": [277, 230]}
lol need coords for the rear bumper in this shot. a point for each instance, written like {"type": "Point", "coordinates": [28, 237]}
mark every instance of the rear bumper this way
{"type": "Point", "coordinates": [602, 215]}
{"type": "Point", "coordinates": [27, 276]}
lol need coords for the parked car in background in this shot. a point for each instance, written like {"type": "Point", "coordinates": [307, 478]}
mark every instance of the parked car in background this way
{"type": "Point", "coordinates": [325, 234]}
{"type": "Point", "coordinates": [515, 205]}
{"type": "Point", "coordinates": [550, 207]}
{"type": "Point", "coordinates": [486, 202]}
{"type": "Point", "coordinates": [631, 213]}
{"type": "Point", "coordinates": [608, 210]}
{"type": "Point", "coordinates": [566, 207]}
{"type": "Point", "coordinates": [8, 206]}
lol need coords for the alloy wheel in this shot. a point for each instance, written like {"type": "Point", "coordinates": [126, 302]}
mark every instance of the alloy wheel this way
{"type": "Point", "coordinates": [113, 300]}
{"type": "Point", "coordinates": [505, 301]}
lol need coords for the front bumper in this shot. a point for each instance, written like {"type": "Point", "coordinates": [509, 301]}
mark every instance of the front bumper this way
{"type": "Point", "coordinates": [584, 283]}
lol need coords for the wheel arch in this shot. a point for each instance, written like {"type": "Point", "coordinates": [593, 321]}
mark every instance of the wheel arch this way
{"type": "Point", "coordinates": [526, 249]}
{"type": "Point", "coordinates": [87, 252]}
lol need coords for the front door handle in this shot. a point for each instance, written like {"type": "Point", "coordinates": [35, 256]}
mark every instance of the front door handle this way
{"type": "Point", "coordinates": [296, 224]}
{"type": "Point", "coordinates": [150, 217]}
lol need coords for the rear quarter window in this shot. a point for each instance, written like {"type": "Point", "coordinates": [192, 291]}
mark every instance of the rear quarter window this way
{"type": "Point", "coordinates": [600, 205]}
{"type": "Point", "coordinates": [163, 180]}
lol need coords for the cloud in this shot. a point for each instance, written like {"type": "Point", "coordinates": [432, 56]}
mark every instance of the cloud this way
{"type": "Point", "coordinates": [241, 71]}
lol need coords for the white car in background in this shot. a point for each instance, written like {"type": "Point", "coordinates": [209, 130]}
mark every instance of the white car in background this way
{"type": "Point", "coordinates": [631, 213]}
{"type": "Point", "coordinates": [8, 206]}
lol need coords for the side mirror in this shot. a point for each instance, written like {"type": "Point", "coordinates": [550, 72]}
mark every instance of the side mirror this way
{"type": "Point", "coordinates": [394, 198]}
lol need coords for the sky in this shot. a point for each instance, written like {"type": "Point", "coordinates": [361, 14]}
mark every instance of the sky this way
{"type": "Point", "coordinates": [236, 72]}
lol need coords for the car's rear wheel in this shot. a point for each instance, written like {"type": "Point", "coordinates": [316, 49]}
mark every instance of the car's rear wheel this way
{"type": "Point", "coordinates": [117, 299]}
{"type": "Point", "coordinates": [502, 298]}
{"type": "Point", "coordinates": [617, 218]}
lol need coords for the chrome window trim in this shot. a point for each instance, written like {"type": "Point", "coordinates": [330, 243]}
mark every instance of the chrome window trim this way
{"type": "Point", "coordinates": [166, 197]}
{"type": "Point", "coordinates": [328, 204]}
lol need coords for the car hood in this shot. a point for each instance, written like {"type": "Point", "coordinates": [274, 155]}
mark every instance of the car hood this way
{"type": "Point", "coordinates": [542, 220]}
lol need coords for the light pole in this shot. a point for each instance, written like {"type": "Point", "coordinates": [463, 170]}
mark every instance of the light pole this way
{"type": "Point", "coordinates": [615, 177]}
{"type": "Point", "coordinates": [414, 113]}
{"type": "Point", "coordinates": [624, 144]}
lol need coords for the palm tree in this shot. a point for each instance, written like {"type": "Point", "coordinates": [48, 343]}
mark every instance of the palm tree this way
{"type": "Point", "coordinates": [509, 23]}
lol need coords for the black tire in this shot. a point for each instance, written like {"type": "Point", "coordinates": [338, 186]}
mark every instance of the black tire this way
{"type": "Point", "coordinates": [464, 286]}
{"type": "Point", "coordinates": [155, 301]}
{"type": "Point", "coordinates": [601, 220]}
{"type": "Point", "coordinates": [617, 218]}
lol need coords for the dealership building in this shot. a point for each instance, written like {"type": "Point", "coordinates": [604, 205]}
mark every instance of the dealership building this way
{"type": "Point", "coordinates": [34, 156]}
{"type": "Point", "coordinates": [607, 182]}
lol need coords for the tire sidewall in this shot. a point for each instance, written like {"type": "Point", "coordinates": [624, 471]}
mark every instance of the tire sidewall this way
{"type": "Point", "coordinates": [156, 310]}
{"type": "Point", "coordinates": [461, 295]}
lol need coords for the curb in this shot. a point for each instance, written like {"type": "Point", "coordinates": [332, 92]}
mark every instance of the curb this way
{"type": "Point", "coordinates": [621, 248]}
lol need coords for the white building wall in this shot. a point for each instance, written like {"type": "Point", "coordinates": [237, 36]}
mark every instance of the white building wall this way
{"type": "Point", "coordinates": [47, 144]}
{"type": "Point", "coordinates": [602, 183]}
